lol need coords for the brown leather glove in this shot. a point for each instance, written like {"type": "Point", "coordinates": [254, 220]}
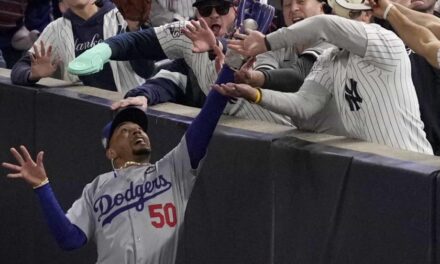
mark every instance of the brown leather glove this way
{"type": "Point", "coordinates": [135, 10]}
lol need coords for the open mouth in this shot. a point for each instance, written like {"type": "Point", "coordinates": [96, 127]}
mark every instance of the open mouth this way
{"type": "Point", "coordinates": [216, 29]}
{"type": "Point", "coordinates": [139, 141]}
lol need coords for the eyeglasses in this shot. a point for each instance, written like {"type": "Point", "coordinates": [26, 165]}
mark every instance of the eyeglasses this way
{"type": "Point", "coordinates": [205, 11]}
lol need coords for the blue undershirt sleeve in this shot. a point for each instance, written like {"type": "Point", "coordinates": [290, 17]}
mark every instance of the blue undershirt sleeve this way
{"type": "Point", "coordinates": [141, 44]}
{"type": "Point", "coordinates": [201, 129]}
{"type": "Point", "coordinates": [67, 235]}
{"type": "Point", "coordinates": [158, 90]}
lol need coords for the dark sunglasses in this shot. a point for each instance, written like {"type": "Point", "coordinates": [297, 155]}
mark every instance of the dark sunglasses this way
{"type": "Point", "coordinates": [206, 11]}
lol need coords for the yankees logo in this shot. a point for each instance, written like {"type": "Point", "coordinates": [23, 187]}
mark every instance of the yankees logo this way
{"type": "Point", "coordinates": [175, 30]}
{"type": "Point", "coordinates": [105, 205]}
{"type": "Point", "coordinates": [352, 96]}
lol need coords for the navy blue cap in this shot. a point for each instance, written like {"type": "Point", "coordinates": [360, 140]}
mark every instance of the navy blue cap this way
{"type": "Point", "coordinates": [128, 114]}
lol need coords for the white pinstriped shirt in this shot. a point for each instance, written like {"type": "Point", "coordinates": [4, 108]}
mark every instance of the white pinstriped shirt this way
{"type": "Point", "coordinates": [59, 34]}
{"type": "Point", "coordinates": [370, 78]}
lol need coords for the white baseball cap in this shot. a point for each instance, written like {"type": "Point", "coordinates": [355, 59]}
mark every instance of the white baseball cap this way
{"type": "Point", "coordinates": [343, 7]}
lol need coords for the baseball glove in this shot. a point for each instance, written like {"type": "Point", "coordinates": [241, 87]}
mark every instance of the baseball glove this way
{"type": "Point", "coordinates": [134, 10]}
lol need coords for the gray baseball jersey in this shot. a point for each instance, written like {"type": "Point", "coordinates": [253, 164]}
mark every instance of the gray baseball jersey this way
{"type": "Point", "coordinates": [176, 45]}
{"type": "Point", "coordinates": [370, 78]}
{"type": "Point", "coordinates": [135, 214]}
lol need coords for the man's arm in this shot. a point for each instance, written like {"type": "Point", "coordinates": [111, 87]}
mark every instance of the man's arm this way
{"type": "Point", "coordinates": [288, 79]}
{"type": "Point", "coordinates": [201, 129]}
{"type": "Point", "coordinates": [158, 90]}
{"type": "Point", "coordinates": [423, 19]}
{"type": "Point", "coordinates": [418, 38]}
{"type": "Point", "coordinates": [21, 70]}
{"type": "Point", "coordinates": [309, 100]}
{"type": "Point", "coordinates": [343, 33]}
{"type": "Point", "coordinates": [136, 45]}
{"type": "Point", "coordinates": [66, 234]}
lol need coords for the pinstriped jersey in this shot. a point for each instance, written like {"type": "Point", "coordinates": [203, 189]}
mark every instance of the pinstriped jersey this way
{"type": "Point", "coordinates": [175, 45]}
{"type": "Point", "coordinates": [374, 93]}
{"type": "Point", "coordinates": [325, 121]}
{"type": "Point", "coordinates": [135, 214]}
{"type": "Point", "coordinates": [369, 75]}
{"type": "Point", "coordinates": [59, 35]}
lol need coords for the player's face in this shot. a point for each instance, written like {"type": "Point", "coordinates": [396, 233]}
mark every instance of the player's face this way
{"type": "Point", "coordinates": [219, 17]}
{"type": "Point", "coordinates": [130, 142]}
{"type": "Point", "coordinates": [297, 10]}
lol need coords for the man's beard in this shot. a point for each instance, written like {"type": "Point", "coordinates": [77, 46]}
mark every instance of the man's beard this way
{"type": "Point", "coordinates": [142, 152]}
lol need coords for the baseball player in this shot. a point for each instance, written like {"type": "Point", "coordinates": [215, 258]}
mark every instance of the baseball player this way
{"type": "Point", "coordinates": [369, 76]}
{"type": "Point", "coordinates": [135, 212]}
{"type": "Point", "coordinates": [168, 42]}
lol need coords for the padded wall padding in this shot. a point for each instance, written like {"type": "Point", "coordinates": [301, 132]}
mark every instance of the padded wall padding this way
{"type": "Point", "coordinates": [308, 179]}
{"type": "Point", "coordinates": [17, 204]}
{"type": "Point", "coordinates": [229, 218]}
{"type": "Point", "coordinates": [386, 214]}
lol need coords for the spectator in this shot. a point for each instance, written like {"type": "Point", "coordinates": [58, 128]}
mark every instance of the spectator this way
{"type": "Point", "coordinates": [426, 77]}
{"type": "Point", "coordinates": [169, 42]}
{"type": "Point", "coordinates": [367, 74]}
{"type": "Point", "coordinates": [82, 26]}
{"type": "Point", "coordinates": [285, 69]}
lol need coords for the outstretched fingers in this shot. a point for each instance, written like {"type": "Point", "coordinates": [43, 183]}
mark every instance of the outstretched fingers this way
{"type": "Point", "coordinates": [12, 167]}
{"type": "Point", "coordinates": [40, 156]}
{"type": "Point", "coordinates": [17, 156]}
{"type": "Point", "coordinates": [27, 156]}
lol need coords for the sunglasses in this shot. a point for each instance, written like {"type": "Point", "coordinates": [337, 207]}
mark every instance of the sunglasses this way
{"type": "Point", "coordinates": [205, 11]}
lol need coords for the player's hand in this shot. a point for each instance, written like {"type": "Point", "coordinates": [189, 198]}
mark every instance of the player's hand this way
{"type": "Point", "coordinates": [91, 61]}
{"type": "Point", "coordinates": [32, 172]}
{"type": "Point", "coordinates": [237, 91]}
{"type": "Point", "coordinates": [140, 101]}
{"type": "Point", "coordinates": [201, 35]}
{"type": "Point", "coordinates": [41, 62]}
{"type": "Point", "coordinates": [248, 45]}
{"type": "Point", "coordinates": [378, 7]}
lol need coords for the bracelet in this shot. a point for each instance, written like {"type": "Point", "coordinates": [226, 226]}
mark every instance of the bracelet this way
{"type": "Point", "coordinates": [259, 95]}
{"type": "Point", "coordinates": [44, 182]}
{"type": "Point", "coordinates": [266, 42]}
{"type": "Point", "coordinates": [387, 10]}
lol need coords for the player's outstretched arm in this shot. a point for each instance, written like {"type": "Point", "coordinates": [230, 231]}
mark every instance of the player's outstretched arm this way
{"type": "Point", "coordinates": [66, 234]}
{"type": "Point", "coordinates": [201, 129]}
{"type": "Point", "coordinates": [127, 46]}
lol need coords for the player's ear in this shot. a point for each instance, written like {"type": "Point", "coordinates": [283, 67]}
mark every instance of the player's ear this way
{"type": "Point", "coordinates": [110, 153]}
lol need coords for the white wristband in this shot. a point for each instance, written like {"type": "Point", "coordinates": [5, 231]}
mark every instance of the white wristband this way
{"type": "Point", "coordinates": [387, 10]}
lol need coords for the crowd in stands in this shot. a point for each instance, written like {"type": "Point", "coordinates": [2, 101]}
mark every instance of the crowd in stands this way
{"type": "Point", "coordinates": [372, 74]}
